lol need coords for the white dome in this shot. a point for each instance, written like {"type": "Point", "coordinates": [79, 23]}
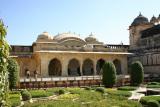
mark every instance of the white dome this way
{"type": "Point", "coordinates": [91, 37]}
{"type": "Point", "coordinates": [44, 35]}
{"type": "Point", "coordinates": [66, 36]}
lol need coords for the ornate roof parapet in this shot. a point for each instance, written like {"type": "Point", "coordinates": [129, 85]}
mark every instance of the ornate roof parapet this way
{"type": "Point", "coordinates": [154, 20]}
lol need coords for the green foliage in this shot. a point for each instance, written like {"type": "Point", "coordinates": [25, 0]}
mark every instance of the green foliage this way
{"type": "Point", "coordinates": [13, 70]}
{"type": "Point", "coordinates": [4, 53]}
{"type": "Point", "coordinates": [144, 100]}
{"type": "Point", "coordinates": [109, 74]}
{"type": "Point", "coordinates": [87, 87]}
{"type": "Point", "coordinates": [153, 86]}
{"type": "Point", "coordinates": [153, 103]}
{"type": "Point", "coordinates": [68, 96]}
{"type": "Point", "coordinates": [153, 83]}
{"type": "Point", "coordinates": [26, 95]}
{"type": "Point", "coordinates": [40, 93]}
{"type": "Point", "coordinates": [137, 73]}
{"type": "Point", "coordinates": [79, 97]}
{"type": "Point", "coordinates": [119, 93]}
{"type": "Point", "coordinates": [127, 88]}
{"type": "Point", "coordinates": [61, 91]}
{"type": "Point", "coordinates": [14, 99]}
{"type": "Point", "coordinates": [100, 89]}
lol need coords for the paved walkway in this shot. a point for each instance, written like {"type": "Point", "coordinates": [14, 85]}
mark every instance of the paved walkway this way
{"type": "Point", "coordinates": [136, 95]}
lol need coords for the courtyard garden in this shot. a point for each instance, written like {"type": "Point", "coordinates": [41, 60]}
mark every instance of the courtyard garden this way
{"type": "Point", "coordinates": [75, 97]}
{"type": "Point", "coordinates": [92, 96]}
{"type": "Point", "coordinates": [106, 95]}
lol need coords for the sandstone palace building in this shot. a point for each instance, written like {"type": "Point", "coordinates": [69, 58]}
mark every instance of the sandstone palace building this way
{"type": "Point", "coordinates": [67, 54]}
{"type": "Point", "coordinates": [145, 43]}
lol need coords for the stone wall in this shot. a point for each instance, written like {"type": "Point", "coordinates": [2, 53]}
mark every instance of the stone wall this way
{"type": "Point", "coordinates": [150, 61]}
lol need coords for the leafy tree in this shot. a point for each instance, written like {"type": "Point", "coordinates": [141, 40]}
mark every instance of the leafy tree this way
{"type": "Point", "coordinates": [137, 73]}
{"type": "Point", "coordinates": [109, 74]}
{"type": "Point", "coordinates": [4, 53]}
{"type": "Point", "coordinates": [13, 69]}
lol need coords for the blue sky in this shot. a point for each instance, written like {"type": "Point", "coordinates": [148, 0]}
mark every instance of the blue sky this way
{"type": "Point", "coordinates": [107, 19]}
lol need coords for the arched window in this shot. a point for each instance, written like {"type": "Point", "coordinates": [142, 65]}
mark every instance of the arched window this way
{"type": "Point", "coordinates": [99, 65]}
{"type": "Point", "coordinates": [88, 67]}
{"type": "Point", "coordinates": [74, 68]}
{"type": "Point", "coordinates": [55, 68]}
{"type": "Point", "coordinates": [117, 64]}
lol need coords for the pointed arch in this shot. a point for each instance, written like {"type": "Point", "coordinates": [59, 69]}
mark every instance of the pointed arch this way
{"type": "Point", "coordinates": [55, 67]}
{"type": "Point", "coordinates": [88, 67]}
{"type": "Point", "coordinates": [99, 65]}
{"type": "Point", "coordinates": [117, 64]}
{"type": "Point", "coordinates": [74, 67]}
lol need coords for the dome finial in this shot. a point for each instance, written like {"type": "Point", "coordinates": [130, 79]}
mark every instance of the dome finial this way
{"type": "Point", "coordinates": [140, 14]}
{"type": "Point", "coordinates": [91, 34]}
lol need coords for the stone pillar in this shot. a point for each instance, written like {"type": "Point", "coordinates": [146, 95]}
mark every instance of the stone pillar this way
{"type": "Point", "coordinates": [94, 66]}
{"type": "Point", "coordinates": [124, 65]}
{"type": "Point", "coordinates": [81, 67]}
{"type": "Point", "coordinates": [44, 66]}
{"type": "Point", "coordinates": [64, 67]}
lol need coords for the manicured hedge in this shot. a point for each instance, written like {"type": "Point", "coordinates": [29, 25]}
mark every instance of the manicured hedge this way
{"type": "Point", "coordinates": [119, 93]}
{"type": "Point", "coordinates": [100, 89]}
{"type": "Point", "coordinates": [153, 103]}
{"type": "Point", "coordinates": [61, 91]}
{"type": "Point", "coordinates": [144, 100]}
{"type": "Point", "coordinates": [137, 73]}
{"type": "Point", "coordinates": [153, 85]}
{"type": "Point", "coordinates": [109, 74]}
{"type": "Point", "coordinates": [40, 93]}
{"type": "Point", "coordinates": [26, 95]}
{"type": "Point", "coordinates": [127, 88]}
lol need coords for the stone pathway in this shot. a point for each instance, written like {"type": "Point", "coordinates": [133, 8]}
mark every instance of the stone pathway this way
{"type": "Point", "coordinates": [137, 94]}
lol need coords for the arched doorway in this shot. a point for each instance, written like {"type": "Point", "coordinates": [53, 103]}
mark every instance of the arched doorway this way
{"type": "Point", "coordinates": [55, 68]}
{"type": "Point", "coordinates": [99, 65]}
{"type": "Point", "coordinates": [117, 64]}
{"type": "Point", "coordinates": [88, 67]}
{"type": "Point", "coordinates": [74, 68]}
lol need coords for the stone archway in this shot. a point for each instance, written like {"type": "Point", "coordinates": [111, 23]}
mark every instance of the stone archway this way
{"type": "Point", "coordinates": [88, 68]}
{"type": "Point", "coordinates": [74, 68]}
{"type": "Point", "coordinates": [117, 64]}
{"type": "Point", "coordinates": [99, 65]}
{"type": "Point", "coordinates": [55, 67]}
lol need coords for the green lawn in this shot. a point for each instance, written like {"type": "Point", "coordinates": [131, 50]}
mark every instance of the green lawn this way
{"type": "Point", "coordinates": [80, 97]}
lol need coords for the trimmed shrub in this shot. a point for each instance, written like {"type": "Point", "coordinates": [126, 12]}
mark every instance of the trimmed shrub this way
{"type": "Point", "coordinates": [153, 103]}
{"type": "Point", "coordinates": [127, 88]}
{"type": "Point", "coordinates": [40, 93]}
{"type": "Point", "coordinates": [118, 93]}
{"type": "Point", "coordinates": [100, 89]}
{"type": "Point", "coordinates": [109, 74]}
{"type": "Point", "coordinates": [153, 86]}
{"type": "Point", "coordinates": [13, 70]}
{"type": "Point", "coordinates": [61, 91]}
{"type": "Point", "coordinates": [144, 100]}
{"type": "Point", "coordinates": [87, 88]}
{"type": "Point", "coordinates": [26, 95]}
{"type": "Point", "coordinates": [153, 83]}
{"type": "Point", "coordinates": [137, 73]}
